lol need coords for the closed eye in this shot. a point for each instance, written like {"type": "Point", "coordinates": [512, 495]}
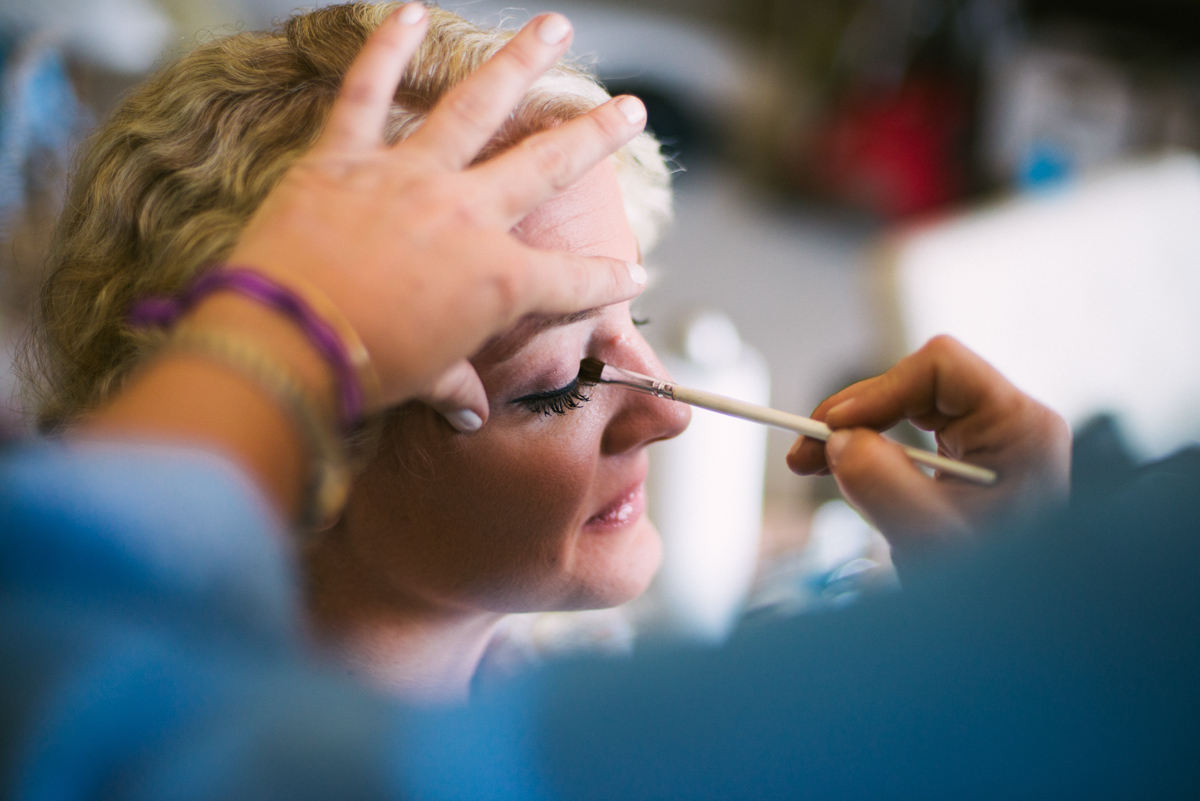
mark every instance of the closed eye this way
{"type": "Point", "coordinates": [556, 401]}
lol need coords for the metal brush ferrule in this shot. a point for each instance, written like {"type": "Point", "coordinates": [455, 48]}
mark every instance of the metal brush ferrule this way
{"type": "Point", "coordinates": [663, 389]}
{"type": "Point", "coordinates": [620, 377]}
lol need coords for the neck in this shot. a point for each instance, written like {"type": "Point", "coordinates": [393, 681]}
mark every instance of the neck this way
{"type": "Point", "coordinates": [407, 647]}
{"type": "Point", "coordinates": [422, 660]}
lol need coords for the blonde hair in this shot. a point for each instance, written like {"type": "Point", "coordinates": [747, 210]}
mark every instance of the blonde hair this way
{"type": "Point", "coordinates": [163, 189]}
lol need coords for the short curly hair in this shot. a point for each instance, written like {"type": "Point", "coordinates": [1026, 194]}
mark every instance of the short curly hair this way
{"type": "Point", "coordinates": [162, 190]}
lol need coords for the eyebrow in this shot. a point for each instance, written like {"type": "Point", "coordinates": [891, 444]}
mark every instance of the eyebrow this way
{"type": "Point", "coordinates": [506, 346]}
{"type": "Point", "coordinates": [540, 324]}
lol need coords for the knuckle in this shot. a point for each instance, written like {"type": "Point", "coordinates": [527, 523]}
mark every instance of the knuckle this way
{"type": "Point", "coordinates": [1047, 420]}
{"type": "Point", "coordinates": [448, 200]}
{"type": "Point", "coordinates": [356, 92]}
{"type": "Point", "coordinates": [551, 160]}
{"type": "Point", "coordinates": [510, 285]}
{"type": "Point", "coordinates": [465, 109]}
{"type": "Point", "coordinates": [942, 344]}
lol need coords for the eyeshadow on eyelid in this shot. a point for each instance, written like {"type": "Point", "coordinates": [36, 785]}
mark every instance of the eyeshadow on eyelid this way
{"type": "Point", "coordinates": [555, 381]}
{"type": "Point", "coordinates": [510, 345]}
{"type": "Point", "coordinates": [550, 379]}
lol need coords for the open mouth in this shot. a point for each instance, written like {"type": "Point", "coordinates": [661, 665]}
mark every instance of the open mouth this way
{"type": "Point", "coordinates": [622, 512]}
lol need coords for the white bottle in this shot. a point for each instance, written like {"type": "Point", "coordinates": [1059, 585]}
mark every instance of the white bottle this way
{"type": "Point", "coordinates": [705, 487]}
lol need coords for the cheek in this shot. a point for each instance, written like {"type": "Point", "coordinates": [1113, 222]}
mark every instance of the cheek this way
{"type": "Point", "coordinates": [533, 477]}
{"type": "Point", "coordinates": [494, 517]}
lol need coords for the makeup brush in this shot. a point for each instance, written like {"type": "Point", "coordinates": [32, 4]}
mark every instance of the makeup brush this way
{"type": "Point", "coordinates": [594, 371]}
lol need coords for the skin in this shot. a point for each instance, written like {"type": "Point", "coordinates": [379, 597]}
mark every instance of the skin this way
{"type": "Point", "coordinates": [410, 242]}
{"type": "Point", "coordinates": [446, 532]}
{"type": "Point", "coordinates": [413, 217]}
{"type": "Point", "coordinates": [976, 414]}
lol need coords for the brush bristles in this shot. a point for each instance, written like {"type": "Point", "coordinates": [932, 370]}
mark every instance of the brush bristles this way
{"type": "Point", "coordinates": [589, 371]}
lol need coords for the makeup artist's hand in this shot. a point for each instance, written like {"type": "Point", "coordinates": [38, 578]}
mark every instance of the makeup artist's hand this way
{"type": "Point", "coordinates": [411, 242]}
{"type": "Point", "coordinates": [978, 417]}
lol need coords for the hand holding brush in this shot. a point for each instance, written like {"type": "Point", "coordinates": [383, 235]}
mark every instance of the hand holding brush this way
{"type": "Point", "coordinates": [975, 413]}
{"type": "Point", "coordinates": [594, 371]}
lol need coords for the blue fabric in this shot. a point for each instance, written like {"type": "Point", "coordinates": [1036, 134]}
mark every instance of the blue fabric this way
{"type": "Point", "coordinates": [1058, 662]}
{"type": "Point", "coordinates": [150, 648]}
{"type": "Point", "coordinates": [1062, 665]}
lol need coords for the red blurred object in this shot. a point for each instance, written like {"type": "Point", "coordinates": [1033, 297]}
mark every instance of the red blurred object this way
{"type": "Point", "coordinates": [894, 153]}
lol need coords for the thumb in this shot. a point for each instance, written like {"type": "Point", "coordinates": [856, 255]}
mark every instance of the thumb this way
{"type": "Point", "coordinates": [459, 396]}
{"type": "Point", "coordinates": [875, 476]}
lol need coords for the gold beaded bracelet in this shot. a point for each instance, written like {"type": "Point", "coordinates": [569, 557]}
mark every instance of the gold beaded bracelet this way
{"type": "Point", "coordinates": [329, 480]}
{"type": "Point", "coordinates": [310, 310]}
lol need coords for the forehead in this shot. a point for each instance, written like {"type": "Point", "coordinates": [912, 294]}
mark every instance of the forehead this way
{"type": "Point", "coordinates": [588, 218]}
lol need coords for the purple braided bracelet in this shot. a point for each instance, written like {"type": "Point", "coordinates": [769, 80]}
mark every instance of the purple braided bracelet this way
{"type": "Point", "coordinates": [162, 312]}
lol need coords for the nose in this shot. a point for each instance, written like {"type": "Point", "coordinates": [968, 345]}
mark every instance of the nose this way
{"type": "Point", "coordinates": [639, 419]}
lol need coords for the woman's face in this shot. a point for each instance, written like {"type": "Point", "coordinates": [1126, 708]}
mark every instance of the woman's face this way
{"type": "Point", "coordinates": [543, 508]}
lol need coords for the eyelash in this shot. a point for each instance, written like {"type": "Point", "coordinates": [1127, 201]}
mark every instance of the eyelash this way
{"type": "Point", "coordinates": [556, 401]}
{"type": "Point", "coordinates": [561, 401]}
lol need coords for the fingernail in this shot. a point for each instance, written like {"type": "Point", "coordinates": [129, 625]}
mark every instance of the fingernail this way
{"type": "Point", "coordinates": [633, 109]}
{"type": "Point", "coordinates": [835, 444]}
{"type": "Point", "coordinates": [553, 29]}
{"type": "Point", "coordinates": [465, 420]}
{"type": "Point", "coordinates": [412, 13]}
{"type": "Point", "coordinates": [637, 272]}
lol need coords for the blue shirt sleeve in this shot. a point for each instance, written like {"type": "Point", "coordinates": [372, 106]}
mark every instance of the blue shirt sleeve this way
{"type": "Point", "coordinates": [150, 644]}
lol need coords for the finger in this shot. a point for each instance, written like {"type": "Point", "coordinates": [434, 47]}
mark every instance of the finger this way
{"type": "Point", "coordinates": [889, 490]}
{"type": "Point", "coordinates": [358, 115]}
{"type": "Point", "coordinates": [542, 166]}
{"type": "Point", "coordinates": [467, 117]}
{"type": "Point", "coordinates": [459, 396]}
{"type": "Point", "coordinates": [941, 381]}
{"type": "Point", "coordinates": [564, 283]}
{"type": "Point", "coordinates": [807, 455]}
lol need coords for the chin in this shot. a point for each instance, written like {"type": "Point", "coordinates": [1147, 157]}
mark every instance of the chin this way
{"type": "Point", "coordinates": [623, 573]}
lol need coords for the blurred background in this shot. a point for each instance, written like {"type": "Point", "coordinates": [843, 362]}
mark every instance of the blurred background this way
{"type": "Point", "coordinates": [854, 176]}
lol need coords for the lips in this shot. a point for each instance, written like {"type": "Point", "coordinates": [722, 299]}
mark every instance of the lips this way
{"type": "Point", "coordinates": [624, 511]}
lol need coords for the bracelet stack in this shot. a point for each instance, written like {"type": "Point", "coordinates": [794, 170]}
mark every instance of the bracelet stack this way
{"type": "Point", "coordinates": [332, 337]}
{"type": "Point", "coordinates": [330, 333]}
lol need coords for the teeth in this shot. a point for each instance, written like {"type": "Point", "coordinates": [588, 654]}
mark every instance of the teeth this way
{"type": "Point", "coordinates": [620, 512]}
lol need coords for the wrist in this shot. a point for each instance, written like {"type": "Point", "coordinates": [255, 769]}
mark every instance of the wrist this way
{"type": "Point", "coordinates": [305, 306]}
{"type": "Point", "coordinates": [270, 332]}
{"type": "Point", "coordinates": [284, 340]}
